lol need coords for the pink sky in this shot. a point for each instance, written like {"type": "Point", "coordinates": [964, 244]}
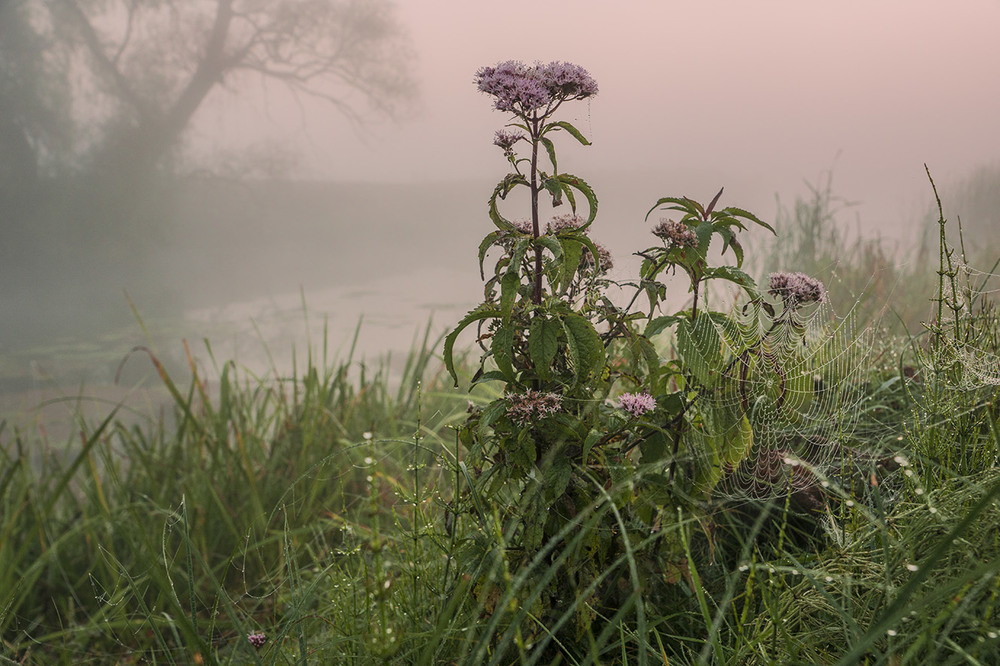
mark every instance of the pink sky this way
{"type": "Point", "coordinates": [761, 95]}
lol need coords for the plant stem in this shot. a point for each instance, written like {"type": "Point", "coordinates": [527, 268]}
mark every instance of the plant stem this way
{"type": "Point", "coordinates": [694, 304]}
{"type": "Point", "coordinates": [536, 296]}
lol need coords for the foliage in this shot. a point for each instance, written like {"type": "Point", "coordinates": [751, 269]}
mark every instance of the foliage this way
{"type": "Point", "coordinates": [620, 486]}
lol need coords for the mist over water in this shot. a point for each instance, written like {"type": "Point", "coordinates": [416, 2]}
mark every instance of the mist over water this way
{"type": "Point", "coordinates": [325, 225]}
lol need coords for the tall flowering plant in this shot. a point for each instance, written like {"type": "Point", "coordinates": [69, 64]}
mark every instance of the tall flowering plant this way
{"type": "Point", "coordinates": [592, 413]}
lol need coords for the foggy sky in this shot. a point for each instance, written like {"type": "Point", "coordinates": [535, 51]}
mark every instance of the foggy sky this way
{"type": "Point", "coordinates": [758, 96]}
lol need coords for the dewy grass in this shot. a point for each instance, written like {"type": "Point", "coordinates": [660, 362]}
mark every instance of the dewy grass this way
{"type": "Point", "coordinates": [328, 515]}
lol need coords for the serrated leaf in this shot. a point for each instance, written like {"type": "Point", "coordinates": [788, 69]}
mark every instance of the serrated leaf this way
{"type": "Point", "coordinates": [572, 249]}
{"type": "Point", "coordinates": [586, 351]}
{"type": "Point", "coordinates": [581, 185]}
{"type": "Point", "coordinates": [555, 188]}
{"type": "Point", "coordinates": [736, 276]}
{"type": "Point", "coordinates": [526, 449]}
{"type": "Point", "coordinates": [738, 442]}
{"type": "Point", "coordinates": [508, 293]}
{"type": "Point", "coordinates": [503, 351]}
{"type": "Point", "coordinates": [491, 414]}
{"type": "Point", "coordinates": [477, 314]}
{"type": "Point", "coordinates": [543, 344]}
{"type": "Point", "coordinates": [682, 204]}
{"type": "Point", "coordinates": [557, 477]}
{"type": "Point", "coordinates": [733, 211]}
{"type": "Point", "coordinates": [699, 347]}
{"type": "Point", "coordinates": [659, 324]}
{"type": "Point", "coordinates": [552, 245]}
{"type": "Point", "coordinates": [501, 191]}
{"type": "Point", "coordinates": [484, 247]}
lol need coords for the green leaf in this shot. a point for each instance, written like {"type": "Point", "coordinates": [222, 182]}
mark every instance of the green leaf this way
{"type": "Point", "coordinates": [654, 447]}
{"type": "Point", "coordinates": [503, 352]}
{"type": "Point", "coordinates": [555, 188]}
{"type": "Point", "coordinates": [736, 276]}
{"type": "Point", "coordinates": [586, 351]}
{"type": "Point", "coordinates": [679, 203]}
{"type": "Point", "coordinates": [660, 323]}
{"type": "Point", "coordinates": [501, 191]}
{"type": "Point", "coordinates": [550, 148]}
{"type": "Point", "coordinates": [477, 314]}
{"type": "Point", "coordinates": [593, 437]}
{"type": "Point", "coordinates": [508, 293]}
{"type": "Point", "coordinates": [700, 348]}
{"type": "Point", "coordinates": [585, 189]}
{"type": "Point", "coordinates": [484, 247]}
{"type": "Point", "coordinates": [491, 414]}
{"type": "Point", "coordinates": [563, 125]}
{"type": "Point", "coordinates": [552, 245]}
{"type": "Point", "coordinates": [543, 344]}
{"type": "Point", "coordinates": [526, 449]}
{"type": "Point", "coordinates": [572, 249]}
{"type": "Point", "coordinates": [733, 211]}
{"type": "Point", "coordinates": [557, 477]}
{"type": "Point", "coordinates": [491, 376]}
{"type": "Point", "coordinates": [737, 442]}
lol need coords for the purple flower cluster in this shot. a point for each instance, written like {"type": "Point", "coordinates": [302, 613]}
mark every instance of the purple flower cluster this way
{"type": "Point", "coordinates": [637, 404]}
{"type": "Point", "coordinates": [531, 405]}
{"type": "Point", "coordinates": [506, 139]}
{"type": "Point", "coordinates": [677, 234]}
{"type": "Point", "coordinates": [796, 288]}
{"type": "Point", "coordinates": [563, 222]}
{"type": "Point", "coordinates": [603, 256]}
{"type": "Point", "coordinates": [523, 225]}
{"type": "Point", "coordinates": [522, 89]}
{"type": "Point", "coordinates": [257, 639]}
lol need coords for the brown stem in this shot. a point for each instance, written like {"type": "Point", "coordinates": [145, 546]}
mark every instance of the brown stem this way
{"type": "Point", "coordinates": [694, 305]}
{"type": "Point", "coordinates": [537, 294]}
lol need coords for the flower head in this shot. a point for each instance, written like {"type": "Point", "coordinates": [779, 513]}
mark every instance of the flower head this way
{"type": "Point", "coordinates": [522, 225]}
{"type": "Point", "coordinates": [796, 289]}
{"type": "Point", "coordinates": [257, 639]}
{"type": "Point", "coordinates": [522, 89]}
{"type": "Point", "coordinates": [603, 257]}
{"type": "Point", "coordinates": [563, 222]}
{"type": "Point", "coordinates": [637, 404]}
{"type": "Point", "coordinates": [531, 405]}
{"type": "Point", "coordinates": [505, 140]}
{"type": "Point", "coordinates": [677, 234]}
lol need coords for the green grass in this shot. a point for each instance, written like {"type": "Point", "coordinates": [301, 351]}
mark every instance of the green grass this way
{"type": "Point", "coordinates": [318, 507]}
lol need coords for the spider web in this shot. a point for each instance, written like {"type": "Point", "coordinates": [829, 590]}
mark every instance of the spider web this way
{"type": "Point", "coordinates": [800, 376]}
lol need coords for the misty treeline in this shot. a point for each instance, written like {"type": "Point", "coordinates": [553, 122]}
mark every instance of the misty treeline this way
{"type": "Point", "coordinates": [97, 98]}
